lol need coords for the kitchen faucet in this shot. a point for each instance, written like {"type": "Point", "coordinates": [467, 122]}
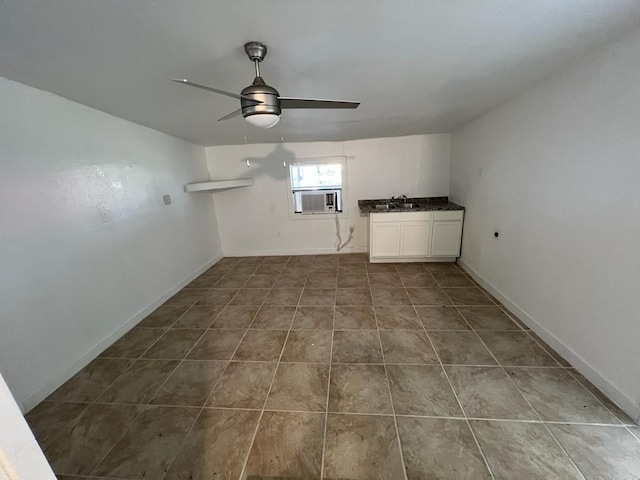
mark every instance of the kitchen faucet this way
{"type": "Point", "coordinates": [400, 199]}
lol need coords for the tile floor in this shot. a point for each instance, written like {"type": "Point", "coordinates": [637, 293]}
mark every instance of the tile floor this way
{"type": "Point", "coordinates": [331, 367]}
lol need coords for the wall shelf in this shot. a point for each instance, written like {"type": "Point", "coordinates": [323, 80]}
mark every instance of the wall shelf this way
{"type": "Point", "coordinates": [217, 185]}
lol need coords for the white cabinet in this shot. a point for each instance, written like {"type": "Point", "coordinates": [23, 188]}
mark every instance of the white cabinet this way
{"type": "Point", "coordinates": [447, 233]}
{"type": "Point", "coordinates": [415, 236]}
{"type": "Point", "coordinates": [385, 239]}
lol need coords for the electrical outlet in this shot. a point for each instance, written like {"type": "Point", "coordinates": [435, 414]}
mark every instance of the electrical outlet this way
{"type": "Point", "coordinates": [166, 199]}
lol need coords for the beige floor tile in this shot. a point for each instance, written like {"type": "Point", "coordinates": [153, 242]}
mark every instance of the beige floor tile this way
{"type": "Point", "coordinates": [149, 445]}
{"type": "Point", "coordinates": [310, 346]}
{"type": "Point", "coordinates": [163, 317]}
{"type": "Point", "coordinates": [488, 318]}
{"type": "Point", "coordinates": [362, 447]}
{"type": "Point", "coordinates": [49, 419]}
{"type": "Point", "coordinates": [299, 386]}
{"type": "Point", "coordinates": [92, 380]}
{"type": "Point", "coordinates": [287, 445]}
{"type": "Point", "coordinates": [386, 279]}
{"type": "Point", "coordinates": [232, 281]}
{"type": "Point", "coordinates": [356, 347]}
{"type": "Point", "coordinates": [443, 267]}
{"type": "Point", "coordinates": [353, 297]}
{"type": "Point", "coordinates": [283, 296]}
{"type": "Point", "coordinates": [351, 257]}
{"type": "Point", "coordinates": [558, 358]}
{"type": "Point", "coordinates": [516, 349]}
{"type": "Point", "coordinates": [460, 348]}
{"type": "Point", "coordinates": [318, 297]}
{"type": "Point", "coordinates": [437, 448]}
{"type": "Point", "coordinates": [198, 317]}
{"type": "Point", "coordinates": [410, 268]}
{"type": "Point", "coordinates": [398, 318]}
{"type": "Point", "coordinates": [261, 346]}
{"type": "Point", "coordinates": [261, 281]}
{"type": "Point", "coordinates": [428, 297]}
{"type": "Point", "coordinates": [236, 317]}
{"type": "Point", "coordinates": [269, 269]}
{"type": "Point", "coordinates": [319, 280]}
{"type": "Point", "coordinates": [517, 450]}
{"type": "Point", "coordinates": [467, 296]}
{"type": "Point", "coordinates": [452, 279]}
{"type": "Point", "coordinates": [175, 344]}
{"type": "Point", "coordinates": [557, 396]}
{"type": "Point", "coordinates": [321, 268]}
{"type": "Point", "coordinates": [418, 280]}
{"type": "Point", "coordinates": [385, 296]}
{"type": "Point", "coordinates": [351, 268]}
{"type": "Point", "coordinates": [407, 346]}
{"type": "Point", "coordinates": [133, 343]}
{"type": "Point", "coordinates": [186, 297]}
{"type": "Point", "coordinates": [313, 318]}
{"type": "Point", "coordinates": [355, 318]}
{"type": "Point", "coordinates": [352, 280]}
{"type": "Point", "coordinates": [190, 384]}
{"type": "Point", "coordinates": [79, 449]}
{"type": "Point", "coordinates": [250, 296]}
{"type": "Point", "coordinates": [216, 345]}
{"type": "Point", "coordinates": [276, 260]}
{"type": "Point", "coordinates": [216, 446]}
{"type": "Point", "coordinates": [613, 408]}
{"type": "Point", "coordinates": [243, 385]}
{"type": "Point", "coordinates": [359, 389]}
{"type": "Point", "coordinates": [290, 281]}
{"type": "Point", "coordinates": [488, 392]}
{"type": "Point", "coordinates": [422, 390]}
{"type": "Point", "coordinates": [441, 318]}
{"type": "Point", "coordinates": [295, 269]}
{"type": "Point", "coordinates": [601, 452]}
{"type": "Point", "coordinates": [276, 317]}
{"type": "Point", "coordinates": [243, 270]}
{"type": "Point", "coordinates": [217, 297]}
{"type": "Point", "coordinates": [140, 383]}
{"type": "Point", "coordinates": [380, 267]}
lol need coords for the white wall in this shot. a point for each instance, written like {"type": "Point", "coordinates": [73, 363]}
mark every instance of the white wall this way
{"type": "Point", "coordinates": [255, 220]}
{"type": "Point", "coordinates": [87, 245]}
{"type": "Point", "coordinates": [557, 170]}
{"type": "Point", "coordinates": [20, 454]}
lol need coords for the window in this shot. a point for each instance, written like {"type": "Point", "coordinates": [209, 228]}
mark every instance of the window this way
{"type": "Point", "coordinates": [316, 186]}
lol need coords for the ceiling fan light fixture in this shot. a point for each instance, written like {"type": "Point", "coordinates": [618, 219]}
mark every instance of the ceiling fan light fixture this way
{"type": "Point", "coordinates": [263, 120]}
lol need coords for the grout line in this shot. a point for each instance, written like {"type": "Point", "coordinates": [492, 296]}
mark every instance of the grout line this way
{"type": "Point", "coordinates": [326, 410]}
{"type": "Point", "coordinates": [275, 372]}
{"type": "Point", "coordinates": [464, 413]}
{"type": "Point", "coordinates": [532, 407]}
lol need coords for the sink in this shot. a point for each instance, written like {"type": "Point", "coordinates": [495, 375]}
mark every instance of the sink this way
{"type": "Point", "coordinates": [385, 206]}
{"type": "Point", "coordinates": [406, 205]}
{"type": "Point", "coordinates": [396, 206]}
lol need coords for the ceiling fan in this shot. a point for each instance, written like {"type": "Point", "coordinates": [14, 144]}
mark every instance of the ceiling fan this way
{"type": "Point", "coordinates": [261, 104]}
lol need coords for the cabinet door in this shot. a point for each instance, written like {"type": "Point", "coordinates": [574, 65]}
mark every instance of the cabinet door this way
{"type": "Point", "coordinates": [385, 239]}
{"type": "Point", "coordinates": [446, 239]}
{"type": "Point", "coordinates": [415, 239]}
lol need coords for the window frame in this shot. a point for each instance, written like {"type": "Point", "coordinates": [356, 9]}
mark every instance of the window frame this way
{"type": "Point", "coordinates": [293, 215]}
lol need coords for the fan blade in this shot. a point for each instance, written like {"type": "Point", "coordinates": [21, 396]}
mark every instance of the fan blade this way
{"type": "Point", "coordinates": [214, 90]}
{"type": "Point", "coordinates": [292, 102]}
{"type": "Point", "coordinates": [231, 115]}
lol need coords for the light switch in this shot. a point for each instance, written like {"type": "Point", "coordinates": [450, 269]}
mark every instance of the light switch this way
{"type": "Point", "coordinates": [166, 199]}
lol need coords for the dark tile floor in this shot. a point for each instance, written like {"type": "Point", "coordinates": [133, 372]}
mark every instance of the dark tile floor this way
{"type": "Point", "coordinates": [331, 367]}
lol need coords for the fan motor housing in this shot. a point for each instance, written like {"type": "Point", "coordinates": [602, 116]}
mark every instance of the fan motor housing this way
{"type": "Point", "coordinates": [262, 92]}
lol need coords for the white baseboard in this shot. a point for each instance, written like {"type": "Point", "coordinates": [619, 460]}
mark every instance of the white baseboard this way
{"type": "Point", "coordinates": [297, 251]}
{"type": "Point", "coordinates": [619, 398]}
{"type": "Point", "coordinates": [47, 389]}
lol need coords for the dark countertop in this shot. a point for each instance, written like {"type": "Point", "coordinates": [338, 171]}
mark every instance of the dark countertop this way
{"type": "Point", "coordinates": [425, 204]}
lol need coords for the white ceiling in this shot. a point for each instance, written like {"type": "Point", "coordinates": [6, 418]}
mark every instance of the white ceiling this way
{"type": "Point", "coordinates": [417, 66]}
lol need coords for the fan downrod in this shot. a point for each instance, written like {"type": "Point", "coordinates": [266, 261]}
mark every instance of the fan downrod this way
{"type": "Point", "coordinates": [255, 51]}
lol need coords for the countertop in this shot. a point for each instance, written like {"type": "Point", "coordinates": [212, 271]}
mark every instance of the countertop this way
{"type": "Point", "coordinates": [425, 204]}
